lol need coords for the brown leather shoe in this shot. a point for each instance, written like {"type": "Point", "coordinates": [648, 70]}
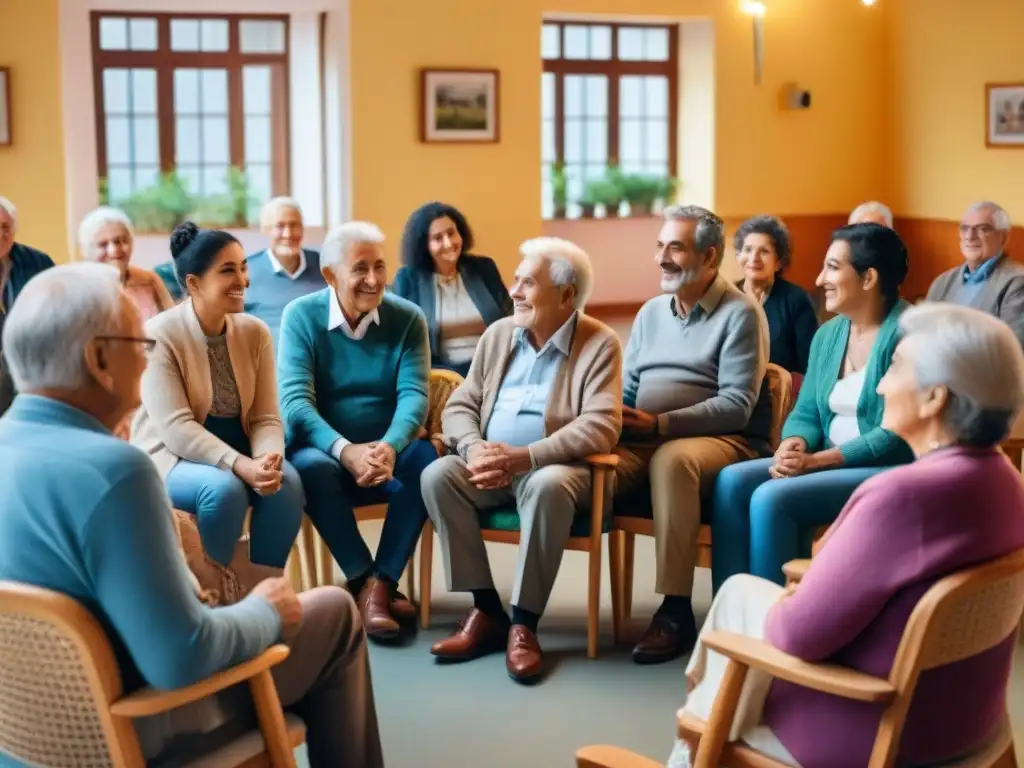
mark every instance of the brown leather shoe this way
{"type": "Point", "coordinates": [665, 639]}
{"type": "Point", "coordinates": [523, 657]}
{"type": "Point", "coordinates": [478, 634]}
{"type": "Point", "coordinates": [402, 608]}
{"type": "Point", "coordinates": [375, 608]}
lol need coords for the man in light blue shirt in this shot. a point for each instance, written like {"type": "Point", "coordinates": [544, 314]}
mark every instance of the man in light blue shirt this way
{"type": "Point", "coordinates": [86, 514]}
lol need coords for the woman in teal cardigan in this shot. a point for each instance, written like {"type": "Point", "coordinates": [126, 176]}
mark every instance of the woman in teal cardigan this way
{"type": "Point", "coordinates": [766, 510]}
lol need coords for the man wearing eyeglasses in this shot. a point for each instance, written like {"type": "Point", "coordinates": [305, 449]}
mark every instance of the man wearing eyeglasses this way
{"type": "Point", "coordinates": [989, 279]}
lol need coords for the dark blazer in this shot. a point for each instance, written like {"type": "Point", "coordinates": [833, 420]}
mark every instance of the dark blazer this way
{"type": "Point", "coordinates": [483, 284]}
{"type": "Point", "coordinates": [26, 263]}
{"type": "Point", "coordinates": [792, 324]}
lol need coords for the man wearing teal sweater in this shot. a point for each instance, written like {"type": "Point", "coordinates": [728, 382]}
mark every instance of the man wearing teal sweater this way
{"type": "Point", "coordinates": [353, 365]}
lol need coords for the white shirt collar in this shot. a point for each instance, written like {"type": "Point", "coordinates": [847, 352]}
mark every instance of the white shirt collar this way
{"type": "Point", "coordinates": [278, 267]}
{"type": "Point", "coordinates": [336, 319]}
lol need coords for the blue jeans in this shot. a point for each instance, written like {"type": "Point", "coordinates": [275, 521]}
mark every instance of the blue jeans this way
{"type": "Point", "coordinates": [332, 495]}
{"type": "Point", "coordinates": [218, 498]}
{"type": "Point", "coordinates": [758, 524]}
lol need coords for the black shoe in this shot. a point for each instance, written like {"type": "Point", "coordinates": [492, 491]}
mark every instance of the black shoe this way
{"type": "Point", "coordinates": [666, 638]}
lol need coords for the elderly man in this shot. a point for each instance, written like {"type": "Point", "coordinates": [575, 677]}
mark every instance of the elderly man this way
{"type": "Point", "coordinates": [353, 366]}
{"type": "Point", "coordinates": [989, 279]}
{"type": "Point", "coordinates": [694, 403]}
{"type": "Point", "coordinates": [872, 212]}
{"type": "Point", "coordinates": [544, 391]}
{"type": "Point", "coordinates": [284, 270]}
{"type": "Point", "coordinates": [87, 514]}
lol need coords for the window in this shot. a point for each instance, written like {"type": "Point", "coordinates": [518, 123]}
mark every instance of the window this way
{"type": "Point", "coordinates": [608, 97]}
{"type": "Point", "coordinates": [199, 95]}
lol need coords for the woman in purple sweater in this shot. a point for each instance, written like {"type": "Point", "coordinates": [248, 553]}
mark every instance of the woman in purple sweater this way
{"type": "Point", "coordinates": [952, 393]}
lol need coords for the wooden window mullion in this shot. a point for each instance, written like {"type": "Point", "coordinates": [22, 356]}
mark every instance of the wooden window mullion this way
{"type": "Point", "coordinates": [165, 120]}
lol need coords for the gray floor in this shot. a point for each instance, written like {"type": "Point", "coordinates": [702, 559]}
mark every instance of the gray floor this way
{"type": "Point", "coordinates": [474, 715]}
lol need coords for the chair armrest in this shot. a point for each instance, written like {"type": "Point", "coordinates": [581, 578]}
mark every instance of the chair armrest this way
{"type": "Point", "coordinates": [828, 678]}
{"type": "Point", "coordinates": [602, 460]}
{"type": "Point", "coordinates": [603, 756]}
{"type": "Point", "coordinates": [150, 701]}
{"type": "Point", "coordinates": [794, 570]}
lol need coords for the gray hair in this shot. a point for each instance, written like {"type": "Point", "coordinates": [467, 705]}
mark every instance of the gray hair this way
{"type": "Point", "coordinates": [872, 208]}
{"type": "Point", "coordinates": [8, 207]}
{"type": "Point", "coordinates": [1000, 218]}
{"type": "Point", "coordinates": [568, 264]}
{"type": "Point", "coordinates": [710, 228]}
{"type": "Point", "coordinates": [274, 204]}
{"type": "Point", "coordinates": [341, 238]}
{"type": "Point", "coordinates": [977, 358]}
{"type": "Point", "coordinates": [55, 317]}
{"type": "Point", "coordinates": [95, 220]}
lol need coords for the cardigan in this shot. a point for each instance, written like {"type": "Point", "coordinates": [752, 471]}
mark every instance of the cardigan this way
{"type": "Point", "coordinates": [901, 531]}
{"type": "Point", "coordinates": [584, 409]}
{"type": "Point", "coordinates": [483, 283]}
{"type": "Point", "coordinates": [26, 263]}
{"type": "Point", "coordinates": [811, 416]}
{"type": "Point", "coordinates": [177, 391]}
{"type": "Point", "coordinates": [792, 323]}
{"type": "Point", "coordinates": [147, 290]}
{"type": "Point", "coordinates": [1001, 293]}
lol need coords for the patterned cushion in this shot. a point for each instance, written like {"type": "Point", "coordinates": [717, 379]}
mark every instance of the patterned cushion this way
{"type": "Point", "coordinates": [507, 519]}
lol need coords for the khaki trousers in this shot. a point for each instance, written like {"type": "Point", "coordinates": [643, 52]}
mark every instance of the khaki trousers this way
{"type": "Point", "coordinates": [680, 472]}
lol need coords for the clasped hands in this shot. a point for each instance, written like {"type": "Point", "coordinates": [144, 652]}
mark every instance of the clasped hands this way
{"type": "Point", "coordinates": [495, 465]}
{"type": "Point", "coordinates": [793, 460]}
{"type": "Point", "coordinates": [261, 473]}
{"type": "Point", "coordinates": [371, 464]}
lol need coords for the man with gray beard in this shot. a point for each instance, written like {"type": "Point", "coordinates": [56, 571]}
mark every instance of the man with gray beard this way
{"type": "Point", "coordinates": [693, 404]}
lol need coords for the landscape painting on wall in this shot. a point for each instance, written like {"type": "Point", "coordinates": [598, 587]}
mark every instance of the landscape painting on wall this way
{"type": "Point", "coordinates": [5, 106]}
{"type": "Point", "coordinates": [1004, 103]}
{"type": "Point", "coordinates": [459, 105]}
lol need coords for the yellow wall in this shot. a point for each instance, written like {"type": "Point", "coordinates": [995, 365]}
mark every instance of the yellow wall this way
{"type": "Point", "coordinates": [32, 169]}
{"type": "Point", "coordinates": [945, 51]}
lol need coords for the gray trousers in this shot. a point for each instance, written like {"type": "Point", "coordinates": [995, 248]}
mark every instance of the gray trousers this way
{"type": "Point", "coordinates": [325, 681]}
{"type": "Point", "coordinates": [547, 500]}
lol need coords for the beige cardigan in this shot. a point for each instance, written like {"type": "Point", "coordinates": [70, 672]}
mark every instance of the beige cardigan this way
{"type": "Point", "coordinates": [584, 411]}
{"type": "Point", "coordinates": [177, 393]}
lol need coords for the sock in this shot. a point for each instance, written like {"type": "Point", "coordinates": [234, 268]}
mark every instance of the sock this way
{"type": "Point", "coordinates": [391, 583]}
{"type": "Point", "coordinates": [527, 618]}
{"type": "Point", "coordinates": [487, 600]}
{"type": "Point", "coordinates": [677, 608]}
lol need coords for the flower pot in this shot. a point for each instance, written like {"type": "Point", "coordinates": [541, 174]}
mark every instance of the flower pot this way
{"type": "Point", "coordinates": [640, 209]}
{"type": "Point", "coordinates": [559, 212]}
{"type": "Point", "coordinates": [586, 211]}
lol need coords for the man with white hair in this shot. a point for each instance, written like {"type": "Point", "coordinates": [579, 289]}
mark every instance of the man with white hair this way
{"type": "Point", "coordinates": [695, 402]}
{"type": "Point", "coordinates": [353, 366]}
{"type": "Point", "coordinates": [283, 271]}
{"type": "Point", "coordinates": [989, 279]}
{"type": "Point", "coordinates": [543, 392]}
{"type": "Point", "coordinates": [871, 212]}
{"type": "Point", "coordinates": [87, 515]}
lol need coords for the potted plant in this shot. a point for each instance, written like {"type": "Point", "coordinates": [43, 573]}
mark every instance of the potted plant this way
{"type": "Point", "coordinates": [588, 203]}
{"type": "Point", "coordinates": [559, 189]}
{"type": "Point", "coordinates": [640, 191]}
{"type": "Point", "coordinates": [602, 192]}
{"type": "Point", "coordinates": [159, 207]}
{"type": "Point", "coordinates": [668, 188]}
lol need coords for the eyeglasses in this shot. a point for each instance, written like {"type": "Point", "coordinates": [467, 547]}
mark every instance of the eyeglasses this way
{"type": "Point", "coordinates": [148, 344]}
{"type": "Point", "coordinates": [978, 229]}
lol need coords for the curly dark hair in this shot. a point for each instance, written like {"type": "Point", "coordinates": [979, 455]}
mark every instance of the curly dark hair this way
{"type": "Point", "coordinates": [773, 228]}
{"type": "Point", "coordinates": [873, 246]}
{"type": "Point", "coordinates": [415, 252]}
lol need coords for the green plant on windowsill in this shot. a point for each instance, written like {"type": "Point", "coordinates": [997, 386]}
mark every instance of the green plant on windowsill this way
{"type": "Point", "coordinates": [559, 190]}
{"type": "Point", "coordinates": [234, 208]}
{"type": "Point", "coordinates": [604, 192]}
{"type": "Point", "coordinates": [642, 191]}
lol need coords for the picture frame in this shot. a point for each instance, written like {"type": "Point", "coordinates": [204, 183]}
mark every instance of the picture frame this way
{"type": "Point", "coordinates": [1004, 115]}
{"type": "Point", "coordinates": [459, 106]}
{"type": "Point", "coordinates": [5, 107]}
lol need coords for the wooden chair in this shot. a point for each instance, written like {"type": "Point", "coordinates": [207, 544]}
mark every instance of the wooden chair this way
{"type": "Point", "coordinates": [317, 561]}
{"type": "Point", "coordinates": [62, 703]}
{"type": "Point", "coordinates": [588, 529]}
{"type": "Point", "coordinates": [637, 518]}
{"type": "Point", "coordinates": [961, 616]}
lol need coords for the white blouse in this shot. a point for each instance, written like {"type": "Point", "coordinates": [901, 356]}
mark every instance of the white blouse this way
{"type": "Point", "coordinates": [459, 320]}
{"type": "Point", "coordinates": [842, 401]}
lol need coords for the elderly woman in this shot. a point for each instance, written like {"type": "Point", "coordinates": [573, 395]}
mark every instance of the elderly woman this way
{"type": "Point", "coordinates": [106, 235]}
{"type": "Point", "coordinates": [766, 510]}
{"type": "Point", "coordinates": [209, 415]}
{"type": "Point", "coordinates": [460, 294]}
{"type": "Point", "coordinates": [763, 252]}
{"type": "Point", "coordinates": [955, 386]}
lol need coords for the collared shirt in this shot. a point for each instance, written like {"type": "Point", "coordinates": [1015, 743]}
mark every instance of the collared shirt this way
{"type": "Point", "coordinates": [705, 306]}
{"type": "Point", "coordinates": [518, 414]}
{"type": "Point", "coordinates": [278, 267]}
{"type": "Point", "coordinates": [336, 319]}
{"type": "Point", "coordinates": [974, 282]}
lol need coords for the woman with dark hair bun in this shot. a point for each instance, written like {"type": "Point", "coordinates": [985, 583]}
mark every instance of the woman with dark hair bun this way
{"type": "Point", "coordinates": [209, 415]}
{"type": "Point", "coordinates": [460, 294]}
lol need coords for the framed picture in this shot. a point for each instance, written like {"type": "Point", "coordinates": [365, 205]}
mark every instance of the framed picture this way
{"type": "Point", "coordinates": [459, 105]}
{"type": "Point", "coordinates": [5, 107]}
{"type": "Point", "coordinates": [1004, 103]}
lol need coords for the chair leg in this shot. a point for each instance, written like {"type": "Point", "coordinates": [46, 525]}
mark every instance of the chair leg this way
{"type": "Point", "coordinates": [628, 550]}
{"type": "Point", "coordinates": [307, 553]}
{"type": "Point", "coordinates": [410, 577]}
{"type": "Point", "coordinates": [615, 574]}
{"type": "Point", "coordinates": [294, 569]}
{"type": "Point", "coordinates": [325, 564]}
{"type": "Point", "coordinates": [271, 720]}
{"type": "Point", "coordinates": [426, 572]}
{"type": "Point", "coordinates": [594, 599]}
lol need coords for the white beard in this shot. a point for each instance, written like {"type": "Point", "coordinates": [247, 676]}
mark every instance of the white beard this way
{"type": "Point", "coordinates": [684, 277]}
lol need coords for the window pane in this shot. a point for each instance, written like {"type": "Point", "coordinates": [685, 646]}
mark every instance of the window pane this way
{"type": "Point", "coordinates": [191, 177]}
{"type": "Point", "coordinates": [115, 91]}
{"type": "Point", "coordinates": [258, 140]}
{"type": "Point", "coordinates": [215, 140]}
{"type": "Point", "coordinates": [119, 141]}
{"type": "Point", "coordinates": [573, 140]}
{"type": "Point", "coordinates": [547, 95]}
{"type": "Point", "coordinates": [550, 41]}
{"type": "Point", "coordinates": [601, 43]}
{"type": "Point", "coordinates": [574, 182]}
{"type": "Point", "coordinates": [214, 35]}
{"type": "Point", "coordinates": [186, 141]}
{"type": "Point", "coordinates": [631, 96]}
{"type": "Point", "coordinates": [656, 141]}
{"type": "Point", "coordinates": [215, 180]}
{"type": "Point", "coordinates": [632, 166]}
{"type": "Point", "coordinates": [547, 141]}
{"type": "Point", "coordinates": [256, 90]}
{"type": "Point", "coordinates": [597, 141]}
{"type": "Point", "coordinates": [547, 204]}
{"type": "Point", "coordinates": [631, 146]}
{"type": "Point", "coordinates": [260, 181]}
{"type": "Point", "coordinates": [656, 96]}
{"type": "Point", "coordinates": [145, 176]}
{"type": "Point", "coordinates": [119, 183]}
{"type": "Point", "coordinates": [631, 44]}
{"type": "Point", "coordinates": [576, 46]}
{"type": "Point", "coordinates": [261, 36]}
{"type": "Point", "coordinates": [596, 96]}
{"type": "Point", "coordinates": [146, 141]}
{"type": "Point", "coordinates": [657, 44]}
{"type": "Point", "coordinates": [213, 87]}
{"type": "Point", "coordinates": [113, 34]}
{"type": "Point", "coordinates": [144, 91]}
{"type": "Point", "coordinates": [142, 34]}
{"type": "Point", "coordinates": [186, 91]}
{"type": "Point", "coordinates": [572, 95]}
{"type": "Point", "coordinates": [184, 35]}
